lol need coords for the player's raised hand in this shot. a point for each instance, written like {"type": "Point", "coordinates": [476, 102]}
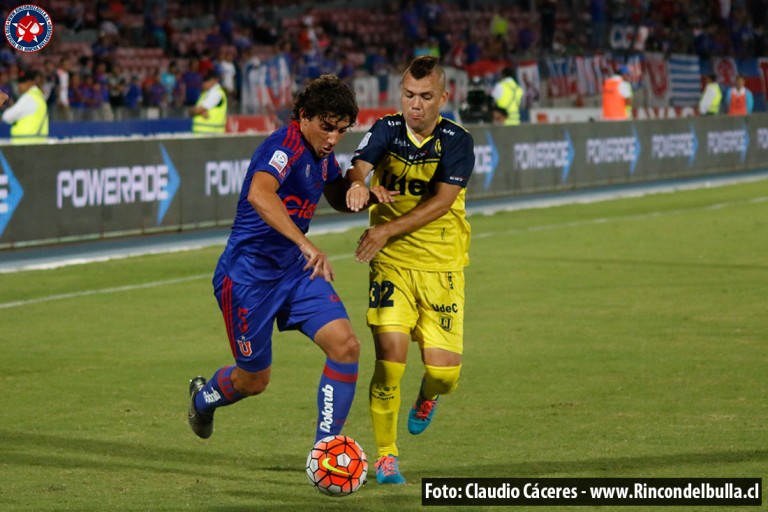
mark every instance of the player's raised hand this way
{"type": "Point", "coordinates": [357, 196]}
{"type": "Point", "coordinates": [383, 195]}
{"type": "Point", "coordinates": [371, 242]}
{"type": "Point", "coordinates": [318, 261]}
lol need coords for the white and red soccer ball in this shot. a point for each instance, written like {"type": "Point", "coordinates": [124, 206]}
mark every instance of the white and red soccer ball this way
{"type": "Point", "coordinates": [337, 466]}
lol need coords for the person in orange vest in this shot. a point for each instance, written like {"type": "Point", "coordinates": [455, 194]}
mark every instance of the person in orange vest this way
{"type": "Point", "coordinates": [739, 100]}
{"type": "Point", "coordinates": [617, 96]}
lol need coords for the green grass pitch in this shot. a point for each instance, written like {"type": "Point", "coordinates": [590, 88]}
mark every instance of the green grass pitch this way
{"type": "Point", "coordinates": [616, 339]}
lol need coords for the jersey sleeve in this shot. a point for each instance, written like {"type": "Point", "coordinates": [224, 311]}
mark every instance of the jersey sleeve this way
{"type": "Point", "coordinates": [458, 159]}
{"type": "Point", "coordinates": [374, 145]}
{"type": "Point", "coordinates": [274, 159]}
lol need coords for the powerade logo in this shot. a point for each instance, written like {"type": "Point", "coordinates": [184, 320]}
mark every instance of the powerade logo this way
{"type": "Point", "coordinates": [762, 138]}
{"type": "Point", "coordinates": [614, 150]}
{"type": "Point", "coordinates": [112, 186]}
{"type": "Point", "coordinates": [675, 145]}
{"type": "Point", "coordinates": [10, 193]}
{"type": "Point", "coordinates": [486, 160]}
{"type": "Point", "coordinates": [28, 28]}
{"type": "Point", "coordinates": [545, 155]}
{"type": "Point", "coordinates": [728, 141]}
{"type": "Point", "coordinates": [225, 177]}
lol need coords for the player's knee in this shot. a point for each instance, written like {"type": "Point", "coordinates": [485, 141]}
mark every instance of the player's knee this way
{"type": "Point", "coordinates": [442, 379]}
{"type": "Point", "coordinates": [346, 349]}
{"type": "Point", "coordinates": [250, 384]}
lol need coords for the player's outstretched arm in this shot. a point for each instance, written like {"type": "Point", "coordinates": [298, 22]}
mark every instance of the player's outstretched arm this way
{"type": "Point", "coordinates": [343, 192]}
{"type": "Point", "coordinates": [376, 237]}
{"type": "Point", "coordinates": [358, 195]}
{"type": "Point", "coordinates": [262, 195]}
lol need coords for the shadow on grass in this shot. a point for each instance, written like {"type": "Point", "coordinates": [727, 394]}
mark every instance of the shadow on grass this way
{"type": "Point", "coordinates": [47, 450]}
{"type": "Point", "coordinates": [21, 448]}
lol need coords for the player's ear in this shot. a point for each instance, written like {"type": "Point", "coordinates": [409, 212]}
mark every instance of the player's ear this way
{"type": "Point", "coordinates": [444, 99]}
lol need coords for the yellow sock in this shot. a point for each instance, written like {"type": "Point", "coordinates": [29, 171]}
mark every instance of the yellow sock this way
{"type": "Point", "coordinates": [440, 380]}
{"type": "Point", "coordinates": [385, 403]}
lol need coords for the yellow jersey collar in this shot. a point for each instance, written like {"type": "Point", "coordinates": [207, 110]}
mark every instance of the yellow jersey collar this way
{"type": "Point", "coordinates": [412, 137]}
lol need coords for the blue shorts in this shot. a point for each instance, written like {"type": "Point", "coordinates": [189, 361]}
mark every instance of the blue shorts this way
{"type": "Point", "coordinates": [295, 301]}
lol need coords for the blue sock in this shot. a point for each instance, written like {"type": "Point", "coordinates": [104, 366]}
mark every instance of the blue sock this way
{"type": "Point", "coordinates": [218, 391]}
{"type": "Point", "coordinates": [334, 397]}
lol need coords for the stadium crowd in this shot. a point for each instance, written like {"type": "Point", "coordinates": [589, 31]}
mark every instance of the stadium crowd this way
{"type": "Point", "coordinates": [111, 60]}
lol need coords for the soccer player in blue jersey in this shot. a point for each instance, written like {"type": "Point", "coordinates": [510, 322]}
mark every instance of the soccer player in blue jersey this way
{"type": "Point", "coordinates": [270, 270]}
{"type": "Point", "coordinates": [418, 246]}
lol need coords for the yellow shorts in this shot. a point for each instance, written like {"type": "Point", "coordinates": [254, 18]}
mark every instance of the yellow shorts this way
{"type": "Point", "coordinates": [427, 305]}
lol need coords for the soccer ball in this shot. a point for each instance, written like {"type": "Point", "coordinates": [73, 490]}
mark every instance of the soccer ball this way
{"type": "Point", "coordinates": [337, 466]}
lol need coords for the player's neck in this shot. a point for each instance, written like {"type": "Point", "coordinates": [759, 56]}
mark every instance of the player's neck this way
{"type": "Point", "coordinates": [420, 136]}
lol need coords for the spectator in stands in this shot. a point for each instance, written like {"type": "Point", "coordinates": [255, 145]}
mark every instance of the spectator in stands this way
{"type": "Point", "coordinates": [496, 49]}
{"type": "Point", "coordinates": [346, 71]}
{"type": "Point", "coordinates": [526, 36]}
{"type": "Point", "coordinates": [436, 25]}
{"type": "Point", "coordinates": [329, 64]}
{"type": "Point", "coordinates": [499, 25]}
{"type": "Point", "coordinates": [598, 14]}
{"type": "Point", "coordinates": [133, 96]}
{"type": "Point", "coordinates": [74, 18]}
{"type": "Point", "coordinates": [709, 104]}
{"type": "Point", "coordinates": [228, 71]}
{"type": "Point", "coordinates": [49, 83]}
{"type": "Point", "coordinates": [28, 117]}
{"type": "Point", "coordinates": [547, 15]}
{"type": "Point", "coordinates": [3, 98]}
{"type": "Point", "coordinates": [90, 91]}
{"type": "Point", "coordinates": [104, 47]}
{"type": "Point", "coordinates": [209, 115]}
{"type": "Point", "coordinates": [739, 100]}
{"type": "Point", "coordinates": [156, 28]}
{"type": "Point", "coordinates": [169, 78]}
{"type": "Point", "coordinates": [62, 86]}
{"type": "Point", "coordinates": [192, 83]}
{"type": "Point", "coordinates": [427, 47]}
{"type": "Point", "coordinates": [411, 22]}
{"type": "Point", "coordinates": [116, 86]}
{"type": "Point", "coordinates": [74, 97]}
{"type": "Point", "coordinates": [473, 51]}
{"type": "Point", "coordinates": [508, 95]}
{"type": "Point", "coordinates": [617, 96]}
{"type": "Point", "coordinates": [154, 92]}
{"type": "Point", "coordinates": [101, 84]}
{"type": "Point", "coordinates": [705, 42]}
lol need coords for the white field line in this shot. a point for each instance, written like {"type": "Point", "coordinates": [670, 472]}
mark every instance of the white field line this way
{"type": "Point", "coordinates": [545, 227]}
{"type": "Point", "coordinates": [117, 289]}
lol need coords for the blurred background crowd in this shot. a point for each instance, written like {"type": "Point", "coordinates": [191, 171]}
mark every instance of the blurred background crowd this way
{"type": "Point", "coordinates": [114, 60]}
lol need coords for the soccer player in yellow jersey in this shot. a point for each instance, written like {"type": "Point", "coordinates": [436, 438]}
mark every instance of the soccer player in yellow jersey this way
{"type": "Point", "coordinates": [417, 247]}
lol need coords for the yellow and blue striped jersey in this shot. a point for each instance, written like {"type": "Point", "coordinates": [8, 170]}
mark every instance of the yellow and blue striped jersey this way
{"type": "Point", "coordinates": [402, 163]}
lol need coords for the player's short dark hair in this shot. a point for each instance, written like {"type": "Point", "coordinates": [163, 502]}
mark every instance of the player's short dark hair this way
{"type": "Point", "coordinates": [328, 98]}
{"type": "Point", "coordinates": [422, 67]}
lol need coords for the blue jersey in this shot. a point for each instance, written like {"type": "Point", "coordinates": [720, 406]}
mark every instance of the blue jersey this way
{"type": "Point", "coordinates": [255, 250]}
